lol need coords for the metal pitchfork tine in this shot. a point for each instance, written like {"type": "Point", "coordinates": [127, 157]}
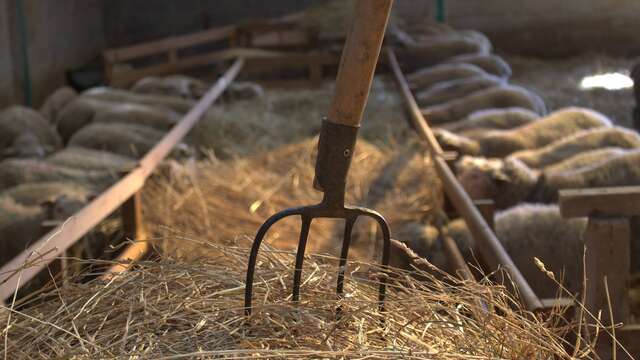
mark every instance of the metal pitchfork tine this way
{"type": "Point", "coordinates": [335, 148]}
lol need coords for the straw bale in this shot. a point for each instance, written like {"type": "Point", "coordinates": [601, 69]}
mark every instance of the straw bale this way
{"type": "Point", "coordinates": [171, 309]}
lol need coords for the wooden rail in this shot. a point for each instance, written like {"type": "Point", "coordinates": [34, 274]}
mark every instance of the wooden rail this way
{"type": "Point", "coordinates": [490, 248]}
{"type": "Point", "coordinates": [36, 257]}
{"type": "Point", "coordinates": [250, 41]}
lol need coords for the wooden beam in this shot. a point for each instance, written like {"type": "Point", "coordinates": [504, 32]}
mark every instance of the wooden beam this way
{"type": "Point", "coordinates": [607, 266]}
{"type": "Point", "coordinates": [167, 44]}
{"type": "Point", "coordinates": [125, 79]}
{"type": "Point", "coordinates": [58, 240]}
{"type": "Point", "coordinates": [615, 201]}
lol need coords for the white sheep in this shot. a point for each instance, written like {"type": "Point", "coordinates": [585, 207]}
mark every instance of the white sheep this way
{"type": "Point", "coordinates": [86, 110]}
{"type": "Point", "coordinates": [445, 91]}
{"type": "Point", "coordinates": [179, 105]}
{"type": "Point", "coordinates": [509, 181]}
{"type": "Point", "coordinates": [615, 137]}
{"type": "Point", "coordinates": [433, 49]}
{"type": "Point", "coordinates": [491, 119]}
{"type": "Point", "coordinates": [175, 85]}
{"type": "Point", "coordinates": [491, 63]}
{"type": "Point", "coordinates": [91, 159]}
{"type": "Point", "coordinates": [504, 96]}
{"type": "Point", "coordinates": [128, 140]}
{"type": "Point", "coordinates": [54, 104]}
{"type": "Point", "coordinates": [21, 126]}
{"type": "Point", "coordinates": [555, 126]}
{"type": "Point", "coordinates": [534, 230]}
{"type": "Point", "coordinates": [15, 172]}
{"type": "Point", "coordinates": [427, 77]}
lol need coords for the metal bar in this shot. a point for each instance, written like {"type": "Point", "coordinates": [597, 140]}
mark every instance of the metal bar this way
{"type": "Point", "coordinates": [491, 248]}
{"type": "Point", "coordinates": [61, 238]}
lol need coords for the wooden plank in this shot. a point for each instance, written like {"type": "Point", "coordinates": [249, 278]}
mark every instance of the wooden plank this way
{"type": "Point", "coordinates": [125, 79]}
{"type": "Point", "coordinates": [491, 250]}
{"type": "Point", "coordinates": [171, 43]}
{"type": "Point", "coordinates": [132, 222]}
{"type": "Point", "coordinates": [616, 201]}
{"type": "Point", "coordinates": [607, 258]}
{"type": "Point", "coordinates": [132, 253]}
{"type": "Point", "coordinates": [61, 238]}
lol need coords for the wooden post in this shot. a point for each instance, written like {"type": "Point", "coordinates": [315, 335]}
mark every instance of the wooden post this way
{"type": "Point", "coordinates": [607, 267]}
{"type": "Point", "coordinates": [131, 212]}
{"type": "Point", "coordinates": [607, 238]}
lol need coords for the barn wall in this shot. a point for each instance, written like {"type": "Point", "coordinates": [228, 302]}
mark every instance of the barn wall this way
{"type": "Point", "coordinates": [7, 87]}
{"type": "Point", "coordinates": [543, 27]}
{"type": "Point", "coordinates": [61, 34]}
{"type": "Point", "coordinates": [132, 21]}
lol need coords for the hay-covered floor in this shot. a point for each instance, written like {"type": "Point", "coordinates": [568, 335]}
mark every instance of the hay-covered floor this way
{"type": "Point", "coordinates": [179, 309]}
{"type": "Point", "coordinates": [261, 160]}
{"type": "Point", "coordinates": [558, 82]}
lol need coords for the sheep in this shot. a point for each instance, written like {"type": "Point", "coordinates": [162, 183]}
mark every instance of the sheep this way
{"type": "Point", "coordinates": [243, 90]}
{"type": "Point", "coordinates": [454, 142]}
{"type": "Point", "coordinates": [123, 139]}
{"type": "Point", "coordinates": [54, 104]}
{"type": "Point", "coordinates": [453, 89]}
{"type": "Point", "coordinates": [17, 121]}
{"type": "Point", "coordinates": [33, 194]}
{"type": "Point", "coordinates": [434, 49]}
{"type": "Point", "coordinates": [559, 124]}
{"type": "Point", "coordinates": [176, 85]}
{"type": "Point", "coordinates": [26, 145]}
{"type": "Point", "coordinates": [509, 181]}
{"type": "Point", "coordinates": [159, 119]}
{"type": "Point", "coordinates": [14, 172]}
{"type": "Point", "coordinates": [534, 230]}
{"type": "Point", "coordinates": [78, 114]}
{"type": "Point", "coordinates": [92, 160]}
{"type": "Point", "coordinates": [181, 106]}
{"type": "Point", "coordinates": [495, 97]}
{"type": "Point", "coordinates": [491, 119]}
{"type": "Point", "coordinates": [587, 158]}
{"type": "Point", "coordinates": [492, 64]}
{"type": "Point", "coordinates": [21, 225]}
{"type": "Point", "coordinates": [86, 110]}
{"type": "Point", "coordinates": [579, 142]}
{"type": "Point", "coordinates": [427, 77]}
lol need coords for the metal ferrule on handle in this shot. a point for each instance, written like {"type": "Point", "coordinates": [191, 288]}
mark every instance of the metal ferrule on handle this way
{"type": "Point", "coordinates": [335, 150]}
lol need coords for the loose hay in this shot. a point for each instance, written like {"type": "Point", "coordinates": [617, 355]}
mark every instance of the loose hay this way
{"type": "Point", "coordinates": [282, 117]}
{"type": "Point", "coordinates": [221, 200]}
{"type": "Point", "coordinates": [172, 309]}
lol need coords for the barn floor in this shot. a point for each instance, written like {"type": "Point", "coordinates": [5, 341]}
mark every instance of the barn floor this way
{"type": "Point", "coordinates": [259, 159]}
{"type": "Point", "coordinates": [558, 82]}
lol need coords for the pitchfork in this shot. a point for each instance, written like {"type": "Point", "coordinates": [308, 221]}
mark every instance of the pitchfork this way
{"type": "Point", "coordinates": [336, 145]}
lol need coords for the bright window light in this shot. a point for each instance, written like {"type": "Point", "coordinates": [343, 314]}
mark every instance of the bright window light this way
{"type": "Point", "coordinates": [610, 81]}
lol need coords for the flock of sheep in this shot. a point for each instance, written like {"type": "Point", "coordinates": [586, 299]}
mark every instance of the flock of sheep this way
{"type": "Point", "coordinates": [53, 161]}
{"type": "Point", "coordinates": [515, 152]}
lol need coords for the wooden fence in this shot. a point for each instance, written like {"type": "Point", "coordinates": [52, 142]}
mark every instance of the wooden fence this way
{"type": "Point", "coordinates": [124, 194]}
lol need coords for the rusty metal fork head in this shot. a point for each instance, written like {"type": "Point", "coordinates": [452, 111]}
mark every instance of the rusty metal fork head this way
{"type": "Point", "coordinates": [335, 150]}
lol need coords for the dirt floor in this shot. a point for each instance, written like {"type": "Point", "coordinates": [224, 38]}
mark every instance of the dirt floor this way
{"type": "Point", "coordinates": [558, 82]}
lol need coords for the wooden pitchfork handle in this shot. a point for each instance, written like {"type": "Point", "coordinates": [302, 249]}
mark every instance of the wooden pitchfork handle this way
{"type": "Point", "coordinates": [358, 62]}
